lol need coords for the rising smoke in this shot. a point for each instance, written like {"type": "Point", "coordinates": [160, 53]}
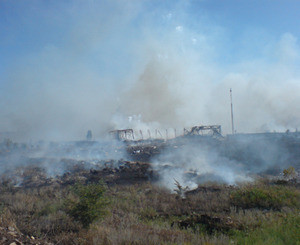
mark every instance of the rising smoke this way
{"type": "Point", "coordinates": [105, 65]}
{"type": "Point", "coordinates": [112, 60]}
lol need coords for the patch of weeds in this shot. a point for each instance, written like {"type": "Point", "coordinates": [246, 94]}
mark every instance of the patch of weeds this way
{"type": "Point", "coordinates": [280, 230]}
{"type": "Point", "coordinates": [50, 209]}
{"type": "Point", "coordinates": [2, 208]}
{"type": "Point", "coordinates": [149, 213]}
{"type": "Point", "coordinates": [206, 224]}
{"type": "Point", "coordinates": [265, 197]}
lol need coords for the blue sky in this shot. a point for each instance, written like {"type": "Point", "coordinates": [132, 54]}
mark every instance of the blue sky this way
{"type": "Point", "coordinates": [27, 26]}
{"type": "Point", "coordinates": [69, 58]}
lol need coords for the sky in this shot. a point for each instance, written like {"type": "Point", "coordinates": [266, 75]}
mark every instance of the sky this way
{"type": "Point", "coordinates": [70, 66]}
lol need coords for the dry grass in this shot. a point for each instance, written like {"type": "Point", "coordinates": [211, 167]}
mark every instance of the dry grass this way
{"type": "Point", "coordinates": [142, 214]}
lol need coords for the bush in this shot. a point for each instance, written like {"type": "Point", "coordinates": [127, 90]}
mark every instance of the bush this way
{"type": "Point", "coordinates": [289, 173]}
{"type": "Point", "coordinates": [89, 204]}
{"type": "Point", "coordinates": [267, 197]}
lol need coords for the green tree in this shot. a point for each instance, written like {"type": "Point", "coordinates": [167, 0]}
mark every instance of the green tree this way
{"type": "Point", "coordinates": [90, 203]}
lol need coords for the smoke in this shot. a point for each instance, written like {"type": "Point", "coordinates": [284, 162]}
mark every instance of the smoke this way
{"type": "Point", "coordinates": [58, 158]}
{"type": "Point", "coordinates": [103, 65]}
{"type": "Point", "coordinates": [231, 160]}
{"type": "Point", "coordinates": [193, 162]}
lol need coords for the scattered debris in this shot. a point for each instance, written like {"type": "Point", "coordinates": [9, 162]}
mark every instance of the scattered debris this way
{"type": "Point", "coordinates": [10, 235]}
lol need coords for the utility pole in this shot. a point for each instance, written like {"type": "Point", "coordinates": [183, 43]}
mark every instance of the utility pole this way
{"type": "Point", "coordinates": [232, 124]}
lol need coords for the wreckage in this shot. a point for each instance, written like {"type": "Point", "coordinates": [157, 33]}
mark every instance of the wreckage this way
{"type": "Point", "coordinates": [124, 134]}
{"type": "Point", "coordinates": [213, 130]}
{"type": "Point", "coordinates": [129, 134]}
{"type": "Point", "coordinates": [251, 150]}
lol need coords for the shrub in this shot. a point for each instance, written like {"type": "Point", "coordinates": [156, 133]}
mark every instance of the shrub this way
{"type": "Point", "coordinates": [268, 197]}
{"type": "Point", "coordinates": [90, 203]}
{"type": "Point", "coordinates": [289, 173]}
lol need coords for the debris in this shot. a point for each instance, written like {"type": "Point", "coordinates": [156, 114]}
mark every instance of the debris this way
{"type": "Point", "coordinates": [11, 236]}
{"type": "Point", "coordinates": [212, 130]}
{"type": "Point", "coordinates": [124, 134]}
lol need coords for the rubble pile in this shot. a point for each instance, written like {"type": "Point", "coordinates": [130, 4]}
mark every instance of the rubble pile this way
{"type": "Point", "coordinates": [145, 151]}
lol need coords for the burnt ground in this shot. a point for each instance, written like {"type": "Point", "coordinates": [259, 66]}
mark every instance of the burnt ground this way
{"type": "Point", "coordinates": [34, 175]}
{"type": "Point", "coordinates": [268, 153]}
{"type": "Point", "coordinates": [139, 161]}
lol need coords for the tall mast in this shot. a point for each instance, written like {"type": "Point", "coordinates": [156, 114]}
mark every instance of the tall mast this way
{"type": "Point", "coordinates": [232, 124]}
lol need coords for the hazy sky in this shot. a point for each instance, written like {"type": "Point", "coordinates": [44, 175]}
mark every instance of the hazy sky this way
{"type": "Point", "coordinates": [68, 66]}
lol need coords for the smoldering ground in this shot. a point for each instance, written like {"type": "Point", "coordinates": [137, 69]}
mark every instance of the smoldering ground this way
{"type": "Point", "coordinates": [188, 160]}
{"type": "Point", "coordinates": [58, 158]}
{"type": "Point", "coordinates": [230, 160]}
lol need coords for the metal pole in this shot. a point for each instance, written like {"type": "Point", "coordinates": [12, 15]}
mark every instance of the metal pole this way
{"type": "Point", "coordinates": [149, 133]}
{"type": "Point", "coordinates": [141, 132]}
{"type": "Point", "coordinates": [232, 124]}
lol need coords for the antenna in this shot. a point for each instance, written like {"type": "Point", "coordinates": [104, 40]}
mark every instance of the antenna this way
{"type": "Point", "coordinates": [232, 124]}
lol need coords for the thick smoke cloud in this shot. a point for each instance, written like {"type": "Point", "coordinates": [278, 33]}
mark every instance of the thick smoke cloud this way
{"type": "Point", "coordinates": [118, 64]}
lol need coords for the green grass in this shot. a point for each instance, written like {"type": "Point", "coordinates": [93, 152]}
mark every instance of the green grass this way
{"type": "Point", "coordinates": [277, 231]}
{"type": "Point", "coordinates": [265, 197]}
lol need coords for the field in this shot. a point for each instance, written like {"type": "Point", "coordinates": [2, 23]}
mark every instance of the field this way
{"type": "Point", "coordinates": [262, 212]}
{"type": "Point", "coordinates": [125, 202]}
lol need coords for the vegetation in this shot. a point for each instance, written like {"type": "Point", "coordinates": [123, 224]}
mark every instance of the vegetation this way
{"type": "Point", "coordinates": [89, 204]}
{"type": "Point", "coordinates": [281, 229]}
{"type": "Point", "coordinates": [289, 173]}
{"type": "Point", "coordinates": [265, 197]}
{"type": "Point", "coordinates": [144, 213]}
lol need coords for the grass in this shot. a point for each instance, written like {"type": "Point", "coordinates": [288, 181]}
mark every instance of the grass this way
{"type": "Point", "coordinates": [148, 214]}
{"type": "Point", "coordinates": [265, 197]}
{"type": "Point", "coordinates": [280, 230]}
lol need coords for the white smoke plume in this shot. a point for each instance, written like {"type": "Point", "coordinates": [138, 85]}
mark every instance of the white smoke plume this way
{"type": "Point", "coordinates": [104, 63]}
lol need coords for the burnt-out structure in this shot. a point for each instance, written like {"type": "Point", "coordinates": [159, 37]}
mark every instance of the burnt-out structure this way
{"type": "Point", "coordinates": [128, 134]}
{"type": "Point", "coordinates": [211, 130]}
{"type": "Point", "coordinates": [123, 134]}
